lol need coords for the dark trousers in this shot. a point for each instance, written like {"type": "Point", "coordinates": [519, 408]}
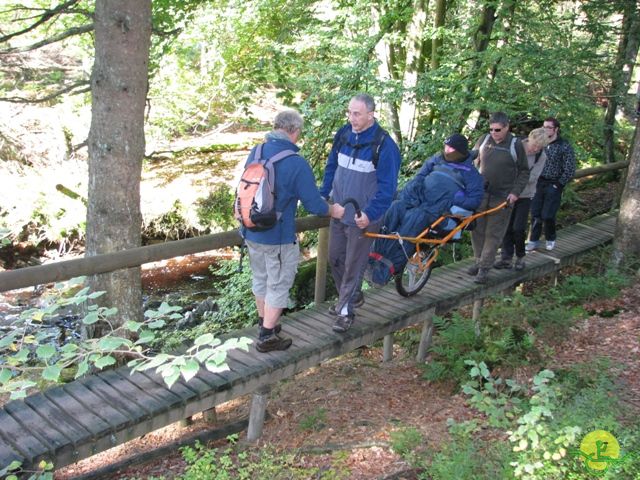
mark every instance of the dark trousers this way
{"type": "Point", "coordinates": [348, 257]}
{"type": "Point", "coordinates": [516, 233]}
{"type": "Point", "coordinates": [544, 209]}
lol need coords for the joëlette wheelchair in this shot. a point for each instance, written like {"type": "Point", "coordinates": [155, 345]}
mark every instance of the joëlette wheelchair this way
{"type": "Point", "coordinates": [414, 275]}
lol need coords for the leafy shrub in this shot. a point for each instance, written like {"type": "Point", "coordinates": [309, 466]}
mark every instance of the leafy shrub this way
{"type": "Point", "coordinates": [216, 210]}
{"type": "Point", "coordinates": [233, 462]}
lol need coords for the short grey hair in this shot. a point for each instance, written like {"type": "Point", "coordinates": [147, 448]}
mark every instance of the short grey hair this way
{"type": "Point", "coordinates": [499, 117]}
{"type": "Point", "coordinates": [288, 120]}
{"type": "Point", "coordinates": [367, 99]}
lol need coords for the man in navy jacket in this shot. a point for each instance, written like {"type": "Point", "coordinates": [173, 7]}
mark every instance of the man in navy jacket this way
{"type": "Point", "coordinates": [362, 168]}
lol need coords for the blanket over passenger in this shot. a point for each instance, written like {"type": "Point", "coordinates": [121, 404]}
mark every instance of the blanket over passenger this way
{"type": "Point", "coordinates": [439, 185]}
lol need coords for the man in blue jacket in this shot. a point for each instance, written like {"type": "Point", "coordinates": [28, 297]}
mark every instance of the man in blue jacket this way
{"type": "Point", "coordinates": [274, 253]}
{"type": "Point", "coordinates": [447, 179]}
{"type": "Point", "coordinates": [363, 164]}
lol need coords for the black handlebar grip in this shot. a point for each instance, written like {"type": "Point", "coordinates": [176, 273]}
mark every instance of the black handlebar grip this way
{"type": "Point", "coordinates": [355, 204]}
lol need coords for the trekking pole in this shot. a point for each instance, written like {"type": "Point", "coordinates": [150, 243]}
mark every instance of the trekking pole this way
{"type": "Point", "coordinates": [243, 248]}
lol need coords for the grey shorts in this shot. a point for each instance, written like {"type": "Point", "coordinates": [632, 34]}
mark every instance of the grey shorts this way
{"type": "Point", "coordinates": [273, 269]}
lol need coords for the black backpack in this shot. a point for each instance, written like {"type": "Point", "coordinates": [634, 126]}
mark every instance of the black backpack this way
{"type": "Point", "coordinates": [376, 143]}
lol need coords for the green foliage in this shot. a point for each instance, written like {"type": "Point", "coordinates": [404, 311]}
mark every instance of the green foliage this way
{"type": "Point", "coordinates": [5, 237]}
{"type": "Point", "coordinates": [406, 442]}
{"type": "Point", "coordinates": [233, 462]}
{"type": "Point", "coordinates": [236, 308]}
{"type": "Point", "coordinates": [541, 449]}
{"type": "Point", "coordinates": [314, 421]}
{"type": "Point", "coordinates": [14, 471]}
{"type": "Point", "coordinates": [216, 210]}
{"type": "Point", "coordinates": [455, 341]}
{"type": "Point", "coordinates": [32, 356]}
{"type": "Point", "coordinates": [578, 289]}
{"type": "Point", "coordinates": [499, 400]}
{"type": "Point", "coordinates": [465, 458]}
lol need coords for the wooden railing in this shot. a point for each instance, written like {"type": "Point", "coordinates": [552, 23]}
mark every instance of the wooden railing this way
{"type": "Point", "coordinates": [134, 257]}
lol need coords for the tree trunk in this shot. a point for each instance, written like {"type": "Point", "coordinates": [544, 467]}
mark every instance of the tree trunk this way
{"type": "Point", "coordinates": [119, 84]}
{"type": "Point", "coordinates": [481, 39]}
{"type": "Point", "coordinates": [415, 48]}
{"type": "Point", "coordinates": [385, 66]}
{"type": "Point", "coordinates": [627, 238]}
{"type": "Point", "coordinates": [621, 74]}
{"type": "Point", "coordinates": [438, 23]}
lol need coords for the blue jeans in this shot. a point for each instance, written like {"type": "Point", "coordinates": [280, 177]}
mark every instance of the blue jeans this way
{"type": "Point", "coordinates": [544, 208]}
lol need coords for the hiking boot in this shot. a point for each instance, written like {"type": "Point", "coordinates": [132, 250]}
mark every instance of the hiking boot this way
{"type": "Point", "coordinates": [273, 343]}
{"type": "Point", "coordinates": [551, 244]}
{"type": "Point", "coordinates": [482, 276]}
{"type": "Point", "coordinates": [277, 329]}
{"type": "Point", "coordinates": [473, 270]}
{"type": "Point", "coordinates": [519, 266]}
{"type": "Point", "coordinates": [343, 323]}
{"type": "Point", "coordinates": [505, 263]}
{"type": "Point", "coordinates": [531, 245]}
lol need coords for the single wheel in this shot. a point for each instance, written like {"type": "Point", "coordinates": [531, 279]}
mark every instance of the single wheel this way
{"type": "Point", "coordinates": [415, 274]}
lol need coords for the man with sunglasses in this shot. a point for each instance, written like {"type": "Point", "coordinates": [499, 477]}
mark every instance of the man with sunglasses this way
{"type": "Point", "coordinates": [502, 161]}
{"type": "Point", "coordinates": [557, 172]}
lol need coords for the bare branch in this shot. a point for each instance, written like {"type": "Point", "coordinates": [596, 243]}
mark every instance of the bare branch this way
{"type": "Point", "coordinates": [48, 41]}
{"type": "Point", "coordinates": [68, 89]}
{"type": "Point", "coordinates": [45, 17]}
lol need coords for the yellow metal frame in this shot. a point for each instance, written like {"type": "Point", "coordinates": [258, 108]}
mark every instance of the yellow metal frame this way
{"type": "Point", "coordinates": [434, 244]}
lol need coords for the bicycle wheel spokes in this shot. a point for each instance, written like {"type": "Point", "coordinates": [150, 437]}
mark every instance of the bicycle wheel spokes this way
{"type": "Point", "coordinates": [414, 275]}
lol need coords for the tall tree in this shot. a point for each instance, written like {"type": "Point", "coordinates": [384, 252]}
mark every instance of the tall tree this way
{"type": "Point", "coordinates": [621, 72]}
{"type": "Point", "coordinates": [627, 238]}
{"type": "Point", "coordinates": [119, 84]}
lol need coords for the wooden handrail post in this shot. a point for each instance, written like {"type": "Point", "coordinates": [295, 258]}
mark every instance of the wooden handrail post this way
{"type": "Point", "coordinates": [320, 292]}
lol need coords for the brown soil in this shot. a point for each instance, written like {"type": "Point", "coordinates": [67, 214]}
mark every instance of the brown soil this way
{"type": "Point", "coordinates": [358, 401]}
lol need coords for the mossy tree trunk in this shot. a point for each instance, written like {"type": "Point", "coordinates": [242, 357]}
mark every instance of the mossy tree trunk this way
{"type": "Point", "coordinates": [119, 84]}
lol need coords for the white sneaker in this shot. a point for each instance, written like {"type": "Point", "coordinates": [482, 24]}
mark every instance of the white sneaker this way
{"type": "Point", "coordinates": [551, 244]}
{"type": "Point", "coordinates": [531, 246]}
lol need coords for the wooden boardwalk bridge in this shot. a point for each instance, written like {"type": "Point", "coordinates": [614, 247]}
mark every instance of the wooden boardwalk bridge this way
{"type": "Point", "coordinates": [76, 420]}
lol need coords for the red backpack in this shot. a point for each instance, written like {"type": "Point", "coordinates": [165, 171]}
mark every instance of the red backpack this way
{"type": "Point", "coordinates": [255, 200]}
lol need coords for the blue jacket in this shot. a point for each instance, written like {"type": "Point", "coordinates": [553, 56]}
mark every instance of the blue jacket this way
{"type": "Point", "coordinates": [294, 181]}
{"type": "Point", "coordinates": [350, 173]}
{"type": "Point", "coordinates": [440, 184]}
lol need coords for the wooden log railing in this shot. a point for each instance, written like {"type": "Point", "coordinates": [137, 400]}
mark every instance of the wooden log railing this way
{"type": "Point", "coordinates": [134, 257]}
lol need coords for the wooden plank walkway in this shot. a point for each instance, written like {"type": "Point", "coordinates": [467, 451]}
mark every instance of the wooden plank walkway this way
{"type": "Point", "coordinates": [78, 419]}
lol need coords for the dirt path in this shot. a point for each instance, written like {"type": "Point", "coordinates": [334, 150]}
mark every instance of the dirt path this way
{"type": "Point", "coordinates": [354, 402]}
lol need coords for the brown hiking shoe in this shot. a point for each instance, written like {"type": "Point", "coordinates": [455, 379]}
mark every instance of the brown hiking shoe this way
{"type": "Point", "coordinates": [273, 343]}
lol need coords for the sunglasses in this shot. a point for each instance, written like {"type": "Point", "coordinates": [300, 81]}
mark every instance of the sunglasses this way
{"type": "Point", "coordinates": [495, 129]}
